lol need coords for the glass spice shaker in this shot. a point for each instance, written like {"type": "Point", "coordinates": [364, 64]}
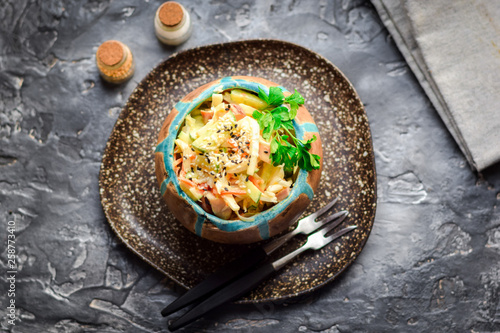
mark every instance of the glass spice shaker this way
{"type": "Point", "coordinates": [172, 23]}
{"type": "Point", "coordinates": [115, 61]}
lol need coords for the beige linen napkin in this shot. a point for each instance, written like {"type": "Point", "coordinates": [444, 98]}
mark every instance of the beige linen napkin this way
{"type": "Point", "coordinates": [453, 47]}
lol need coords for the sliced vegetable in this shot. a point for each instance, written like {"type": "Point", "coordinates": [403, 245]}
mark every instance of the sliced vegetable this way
{"type": "Point", "coordinates": [236, 167]}
{"type": "Point", "coordinates": [220, 110]}
{"type": "Point", "coordinates": [251, 127]}
{"type": "Point", "coordinates": [277, 176]}
{"type": "Point", "coordinates": [242, 96]}
{"type": "Point", "coordinates": [190, 121]}
{"type": "Point", "coordinates": [186, 153]}
{"type": "Point", "coordinates": [216, 99]}
{"type": "Point", "coordinates": [185, 137]}
{"type": "Point", "coordinates": [238, 111]}
{"type": "Point", "coordinates": [193, 124]}
{"type": "Point", "coordinates": [247, 109]}
{"type": "Point", "coordinates": [257, 181]}
{"type": "Point", "coordinates": [253, 192]}
{"type": "Point", "coordinates": [190, 189]}
{"type": "Point", "coordinates": [270, 172]}
{"type": "Point", "coordinates": [274, 188]}
{"type": "Point", "coordinates": [233, 190]}
{"type": "Point", "coordinates": [229, 199]}
{"type": "Point", "coordinates": [207, 115]}
{"type": "Point", "coordinates": [227, 97]}
{"type": "Point", "coordinates": [268, 197]}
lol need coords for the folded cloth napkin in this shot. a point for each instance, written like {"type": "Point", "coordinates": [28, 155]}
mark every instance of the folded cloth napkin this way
{"type": "Point", "coordinates": [453, 47]}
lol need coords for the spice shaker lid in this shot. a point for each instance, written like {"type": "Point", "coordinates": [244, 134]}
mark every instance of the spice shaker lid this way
{"type": "Point", "coordinates": [110, 53]}
{"type": "Point", "coordinates": [171, 13]}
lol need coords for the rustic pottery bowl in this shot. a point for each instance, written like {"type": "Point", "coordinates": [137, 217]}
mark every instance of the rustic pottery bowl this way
{"type": "Point", "coordinates": [265, 224]}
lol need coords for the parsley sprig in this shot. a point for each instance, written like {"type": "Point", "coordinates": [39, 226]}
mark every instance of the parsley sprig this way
{"type": "Point", "coordinates": [275, 121]}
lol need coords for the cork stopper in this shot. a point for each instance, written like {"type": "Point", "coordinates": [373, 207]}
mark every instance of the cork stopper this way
{"type": "Point", "coordinates": [170, 13]}
{"type": "Point", "coordinates": [115, 61]}
{"type": "Point", "coordinates": [110, 53]}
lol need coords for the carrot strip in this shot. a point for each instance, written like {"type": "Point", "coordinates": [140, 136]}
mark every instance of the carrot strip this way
{"type": "Point", "coordinates": [234, 192]}
{"type": "Point", "coordinates": [256, 182]}
{"type": "Point", "coordinates": [187, 181]}
{"type": "Point", "coordinates": [232, 143]}
{"type": "Point", "coordinates": [207, 115]}
{"type": "Point", "coordinates": [177, 162]}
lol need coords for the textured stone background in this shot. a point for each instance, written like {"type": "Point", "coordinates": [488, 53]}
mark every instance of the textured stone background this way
{"type": "Point", "coordinates": [431, 263]}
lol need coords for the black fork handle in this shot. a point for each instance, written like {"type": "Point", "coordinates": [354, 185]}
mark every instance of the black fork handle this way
{"type": "Point", "coordinates": [233, 291]}
{"type": "Point", "coordinates": [219, 278]}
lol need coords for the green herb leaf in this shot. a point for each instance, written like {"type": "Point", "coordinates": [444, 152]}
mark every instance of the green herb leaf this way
{"type": "Point", "coordinates": [315, 161]}
{"type": "Point", "coordinates": [286, 155]}
{"type": "Point", "coordinates": [281, 112]}
{"type": "Point", "coordinates": [263, 96]}
{"type": "Point", "coordinates": [307, 161]}
{"type": "Point", "coordinates": [296, 97]}
{"type": "Point", "coordinates": [276, 96]}
{"type": "Point", "coordinates": [294, 107]}
{"type": "Point", "coordinates": [287, 125]}
{"type": "Point", "coordinates": [274, 123]}
{"type": "Point", "coordinates": [274, 145]}
{"type": "Point", "coordinates": [267, 122]}
{"type": "Point", "coordinates": [256, 115]}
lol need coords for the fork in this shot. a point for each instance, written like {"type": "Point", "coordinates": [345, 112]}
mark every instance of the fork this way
{"type": "Point", "coordinates": [244, 284]}
{"type": "Point", "coordinates": [307, 225]}
{"type": "Point", "coordinates": [250, 259]}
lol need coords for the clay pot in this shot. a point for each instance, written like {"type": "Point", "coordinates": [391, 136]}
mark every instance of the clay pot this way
{"type": "Point", "coordinates": [265, 224]}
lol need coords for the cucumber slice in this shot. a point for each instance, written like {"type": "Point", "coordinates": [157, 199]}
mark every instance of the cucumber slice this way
{"type": "Point", "coordinates": [190, 121]}
{"type": "Point", "coordinates": [185, 137]}
{"type": "Point", "coordinates": [266, 172]}
{"type": "Point", "coordinates": [193, 124]}
{"type": "Point", "coordinates": [247, 109]}
{"type": "Point", "coordinates": [253, 192]}
{"type": "Point", "coordinates": [242, 96]}
{"type": "Point", "coordinates": [195, 127]}
{"type": "Point", "coordinates": [194, 193]}
{"type": "Point", "coordinates": [198, 118]}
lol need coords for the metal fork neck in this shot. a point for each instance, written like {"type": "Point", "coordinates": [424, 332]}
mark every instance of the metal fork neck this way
{"type": "Point", "coordinates": [278, 264]}
{"type": "Point", "coordinates": [275, 244]}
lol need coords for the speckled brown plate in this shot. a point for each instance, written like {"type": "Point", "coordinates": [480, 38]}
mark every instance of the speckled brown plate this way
{"type": "Point", "coordinates": [132, 201]}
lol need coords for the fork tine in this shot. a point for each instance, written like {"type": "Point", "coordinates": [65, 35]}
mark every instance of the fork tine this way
{"type": "Point", "coordinates": [326, 229]}
{"type": "Point", "coordinates": [306, 226]}
{"type": "Point", "coordinates": [323, 209]}
{"type": "Point", "coordinates": [339, 233]}
{"type": "Point", "coordinates": [339, 216]}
